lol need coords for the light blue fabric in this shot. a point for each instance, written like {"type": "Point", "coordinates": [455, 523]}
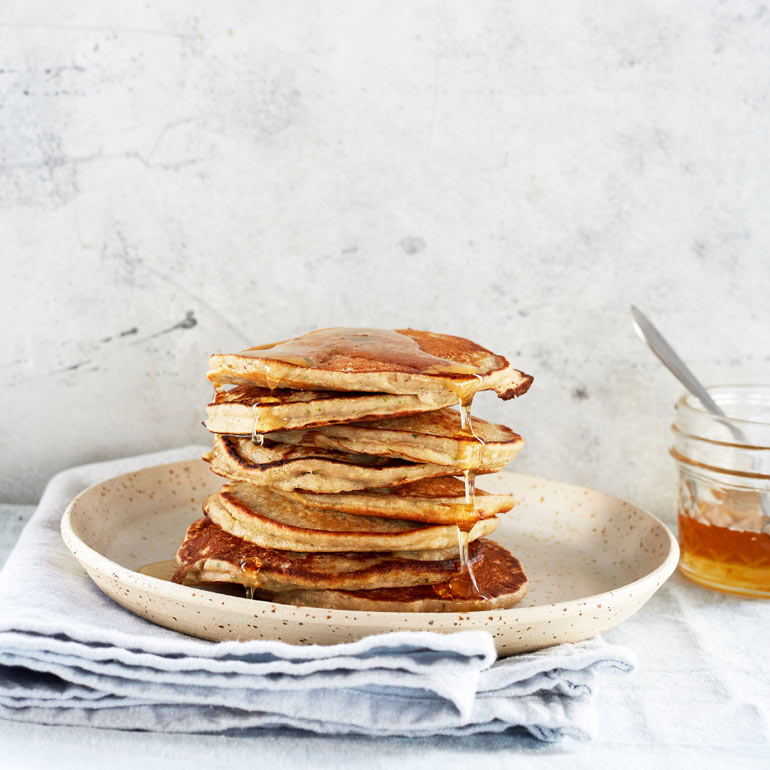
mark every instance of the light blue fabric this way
{"type": "Point", "coordinates": [69, 655]}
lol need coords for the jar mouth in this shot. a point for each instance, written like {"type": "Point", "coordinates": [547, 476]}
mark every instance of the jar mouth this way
{"type": "Point", "coordinates": [717, 442]}
{"type": "Point", "coordinates": [738, 444]}
{"type": "Point", "coordinates": [747, 475]}
{"type": "Point", "coordinates": [743, 397]}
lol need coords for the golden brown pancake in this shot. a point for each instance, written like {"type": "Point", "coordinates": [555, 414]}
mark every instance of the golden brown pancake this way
{"type": "Point", "coordinates": [262, 516]}
{"type": "Point", "coordinates": [433, 437]}
{"type": "Point", "coordinates": [404, 361]}
{"type": "Point", "coordinates": [500, 577]}
{"type": "Point", "coordinates": [437, 501]}
{"type": "Point", "coordinates": [342, 451]}
{"type": "Point", "coordinates": [248, 409]}
{"type": "Point", "coordinates": [208, 554]}
{"type": "Point", "coordinates": [287, 467]}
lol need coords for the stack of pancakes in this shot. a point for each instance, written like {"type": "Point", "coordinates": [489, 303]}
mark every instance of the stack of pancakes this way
{"type": "Point", "coordinates": [351, 477]}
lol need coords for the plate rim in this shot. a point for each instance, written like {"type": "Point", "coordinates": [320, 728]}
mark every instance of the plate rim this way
{"type": "Point", "coordinates": [96, 560]}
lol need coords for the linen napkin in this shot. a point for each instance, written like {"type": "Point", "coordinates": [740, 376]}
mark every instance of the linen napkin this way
{"type": "Point", "coordinates": [69, 655]}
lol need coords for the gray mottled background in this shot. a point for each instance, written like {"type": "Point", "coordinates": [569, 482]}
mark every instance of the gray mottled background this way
{"type": "Point", "coordinates": [205, 176]}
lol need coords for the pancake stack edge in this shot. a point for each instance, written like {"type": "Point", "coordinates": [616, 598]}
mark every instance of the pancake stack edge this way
{"type": "Point", "coordinates": [354, 498]}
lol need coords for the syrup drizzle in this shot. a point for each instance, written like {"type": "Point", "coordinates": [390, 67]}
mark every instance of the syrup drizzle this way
{"type": "Point", "coordinates": [466, 426]}
{"type": "Point", "coordinates": [245, 569]}
{"type": "Point", "coordinates": [271, 383]}
{"type": "Point", "coordinates": [256, 437]}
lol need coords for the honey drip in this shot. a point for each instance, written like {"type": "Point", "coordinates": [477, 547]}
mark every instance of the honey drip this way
{"type": "Point", "coordinates": [469, 476]}
{"type": "Point", "coordinates": [257, 438]}
{"type": "Point", "coordinates": [247, 568]}
{"type": "Point", "coordinates": [271, 383]}
{"type": "Point", "coordinates": [465, 583]}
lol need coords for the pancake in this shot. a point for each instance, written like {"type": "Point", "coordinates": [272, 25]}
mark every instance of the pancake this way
{"type": "Point", "coordinates": [500, 577]}
{"type": "Point", "coordinates": [260, 515]}
{"type": "Point", "coordinates": [208, 554]}
{"type": "Point", "coordinates": [248, 409]}
{"type": "Point", "coordinates": [433, 437]}
{"type": "Point", "coordinates": [436, 501]}
{"type": "Point", "coordinates": [404, 361]}
{"type": "Point", "coordinates": [289, 467]}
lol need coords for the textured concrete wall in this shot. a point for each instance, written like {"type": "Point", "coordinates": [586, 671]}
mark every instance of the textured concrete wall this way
{"type": "Point", "coordinates": [203, 176]}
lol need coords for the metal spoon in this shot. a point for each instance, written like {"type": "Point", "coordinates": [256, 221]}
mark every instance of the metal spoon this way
{"type": "Point", "coordinates": [658, 344]}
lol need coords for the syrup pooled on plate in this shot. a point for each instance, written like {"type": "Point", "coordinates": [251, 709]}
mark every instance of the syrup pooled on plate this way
{"type": "Point", "coordinates": [163, 570]}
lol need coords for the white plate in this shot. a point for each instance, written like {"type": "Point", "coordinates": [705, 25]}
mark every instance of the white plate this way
{"type": "Point", "coordinates": [592, 559]}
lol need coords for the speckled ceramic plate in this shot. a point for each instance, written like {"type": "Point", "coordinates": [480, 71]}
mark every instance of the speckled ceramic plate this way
{"type": "Point", "coordinates": [593, 560]}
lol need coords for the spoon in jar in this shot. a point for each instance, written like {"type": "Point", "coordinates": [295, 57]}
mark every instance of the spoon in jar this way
{"type": "Point", "coordinates": [660, 346]}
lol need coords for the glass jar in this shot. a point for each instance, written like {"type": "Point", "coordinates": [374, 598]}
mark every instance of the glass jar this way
{"type": "Point", "coordinates": [724, 489]}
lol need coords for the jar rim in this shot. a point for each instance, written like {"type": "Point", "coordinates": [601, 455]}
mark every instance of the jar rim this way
{"type": "Point", "coordinates": [687, 401]}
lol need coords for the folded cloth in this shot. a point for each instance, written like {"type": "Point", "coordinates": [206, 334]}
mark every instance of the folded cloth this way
{"type": "Point", "coordinates": [69, 655]}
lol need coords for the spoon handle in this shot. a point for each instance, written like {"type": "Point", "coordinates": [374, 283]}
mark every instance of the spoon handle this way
{"type": "Point", "coordinates": [671, 360]}
{"type": "Point", "coordinates": [678, 368]}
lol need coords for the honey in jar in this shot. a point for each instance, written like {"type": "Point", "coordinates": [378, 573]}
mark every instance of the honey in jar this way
{"type": "Point", "coordinates": [724, 490]}
{"type": "Point", "coordinates": [723, 545]}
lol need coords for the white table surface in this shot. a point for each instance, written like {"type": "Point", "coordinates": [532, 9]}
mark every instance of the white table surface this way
{"type": "Point", "coordinates": [699, 699]}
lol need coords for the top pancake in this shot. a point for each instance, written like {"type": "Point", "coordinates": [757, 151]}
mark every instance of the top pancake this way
{"type": "Point", "coordinates": [405, 361]}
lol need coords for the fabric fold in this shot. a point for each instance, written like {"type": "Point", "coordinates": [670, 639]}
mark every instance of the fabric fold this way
{"type": "Point", "coordinates": [69, 655]}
